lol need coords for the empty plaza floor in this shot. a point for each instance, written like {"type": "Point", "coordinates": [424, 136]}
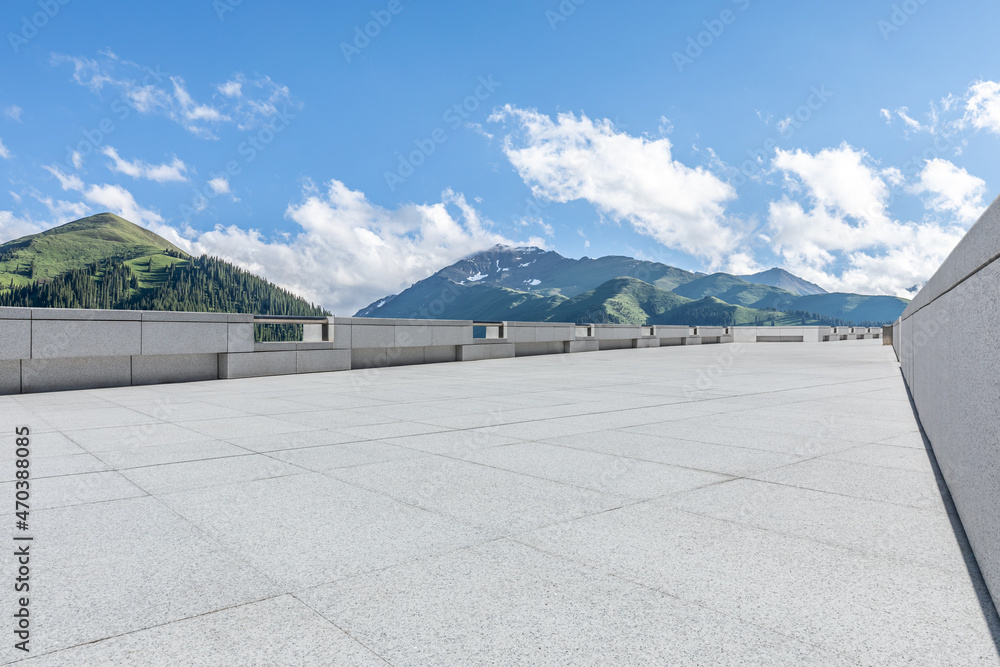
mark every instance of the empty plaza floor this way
{"type": "Point", "coordinates": [768, 504]}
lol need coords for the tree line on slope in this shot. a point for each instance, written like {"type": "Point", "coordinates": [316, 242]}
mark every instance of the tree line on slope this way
{"type": "Point", "coordinates": [198, 284]}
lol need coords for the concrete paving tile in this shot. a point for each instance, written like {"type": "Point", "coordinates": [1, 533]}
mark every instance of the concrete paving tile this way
{"type": "Point", "coordinates": [90, 417]}
{"type": "Point", "coordinates": [235, 427]}
{"type": "Point", "coordinates": [793, 586]}
{"type": "Point", "coordinates": [539, 430]}
{"type": "Point", "coordinates": [335, 419]}
{"type": "Point", "coordinates": [906, 458]}
{"type": "Point", "coordinates": [914, 440]}
{"type": "Point", "coordinates": [137, 457]}
{"type": "Point", "coordinates": [892, 485]}
{"type": "Point", "coordinates": [230, 636]}
{"type": "Point", "coordinates": [137, 436]}
{"type": "Point", "coordinates": [175, 477]}
{"type": "Point", "coordinates": [767, 440]}
{"type": "Point", "coordinates": [393, 430]}
{"type": "Point", "coordinates": [308, 529]}
{"type": "Point", "coordinates": [494, 417]}
{"type": "Point", "coordinates": [188, 410]}
{"type": "Point", "coordinates": [332, 401]}
{"type": "Point", "coordinates": [452, 443]}
{"type": "Point", "coordinates": [601, 472]}
{"type": "Point", "coordinates": [721, 459]}
{"type": "Point", "coordinates": [505, 603]}
{"type": "Point", "coordinates": [111, 568]}
{"type": "Point", "coordinates": [68, 399]}
{"type": "Point", "coordinates": [501, 501]}
{"type": "Point", "coordinates": [331, 457]}
{"type": "Point", "coordinates": [259, 405]}
{"type": "Point", "coordinates": [77, 489]}
{"type": "Point", "coordinates": [920, 536]}
{"type": "Point", "coordinates": [43, 444]}
{"type": "Point", "coordinates": [296, 440]}
{"type": "Point", "coordinates": [54, 466]}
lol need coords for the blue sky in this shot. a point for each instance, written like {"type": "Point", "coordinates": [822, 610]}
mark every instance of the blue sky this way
{"type": "Point", "coordinates": [852, 143]}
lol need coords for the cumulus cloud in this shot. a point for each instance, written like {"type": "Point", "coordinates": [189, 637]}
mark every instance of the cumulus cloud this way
{"type": "Point", "coordinates": [349, 252]}
{"type": "Point", "coordinates": [13, 112]}
{"type": "Point", "coordinates": [14, 227]}
{"type": "Point", "coordinates": [174, 171]}
{"type": "Point", "coordinates": [242, 102]}
{"type": "Point", "coordinates": [951, 189]}
{"type": "Point", "coordinates": [219, 185]}
{"type": "Point", "coordinates": [838, 179]}
{"type": "Point", "coordinates": [4, 151]}
{"type": "Point", "coordinates": [982, 106]}
{"type": "Point", "coordinates": [120, 201]}
{"type": "Point", "coordinates": [832, 225]}
{"type": "Point", "coordinates": [628, 178]}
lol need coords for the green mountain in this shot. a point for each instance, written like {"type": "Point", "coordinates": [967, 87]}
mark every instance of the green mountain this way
{"type": "Point", "coordinates": [105, 261]}
{"type": "Point", "coordinates": [546, 272]}
{"type": "Point", "coordinates": [631, 301]}
{"type": "Point", "coordinates": [780, 278]}
{"type": "Point", "coordinates": [854, 307]}
{"type": "Point", "coordinates": [529, 284]}
{"type": "Point", "coordinates": [76, 245]}
{"type": "Point", "coordinates": [618, 301]}
{"type": "Point", "coordinates": [736, 290]}
{"type": "Point", "coordinates": [448, 300]}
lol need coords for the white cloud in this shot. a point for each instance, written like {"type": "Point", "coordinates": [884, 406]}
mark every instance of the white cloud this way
{"type": "Point", "coordinates": [193, 112]}
{"type": "Point", "coordinates": [231, 88]}
{"type": "Point", "coordinates": [951, 189]}
{"type": "Point", "coordinates": [219, 185]}
{"type": "Point", "coordinates": [838, 179]}
{"type": "Point", "coordinates": [241, 102]}
{"type": "Point", "coordinates": [350, 252]}
{"type": "Point", "coordinates": [982, 106]}
{"type": "Point", "coordinates": [741, 264]}
{"type": "Point", "coordinates": [61, 211]}
{"type": "Point", "coordinates": [4, 151]}
{"type": "Point", "coordinates": [120, 201]}
{"type": "Point", "coordinates": [13, 112]}
{"type": "Point", "coordinates": [66, 181]}
{"type": "Point", "coordinates": [977, 108]}
{"type": "Point", "coordinates": [832, 226]}
{"type": "Point", "coordinates": [174, 171]}
{"type": "Point", "coordinates": [13, 227]}
{"type": "Point", "coordinates": [632, 179]}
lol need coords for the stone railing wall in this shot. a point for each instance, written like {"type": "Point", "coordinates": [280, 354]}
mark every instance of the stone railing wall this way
{"type": "Point", "coordinates": [953, 374]}
{"type": "Point", "coordinates": [51, 349]}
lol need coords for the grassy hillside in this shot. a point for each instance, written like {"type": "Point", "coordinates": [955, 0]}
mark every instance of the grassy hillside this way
{"type": "Point", "coordinates": [618, 301]}
{"type": "Point", "coordinates": [79, 244]}
{"type": "Point", "coordinates": [712, 311]}
{"type": "Point", "coordinates": [857, 308]}
{"type": "Point", "coordinates": [107, 262]}
{"type": "Point", "coordinates": [736, 291]}
{"type": "Point", "coordinates": [440, 298]}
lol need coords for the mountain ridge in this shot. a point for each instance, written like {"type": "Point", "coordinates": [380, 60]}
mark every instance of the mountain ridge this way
{"type": "Point", "coordinates": [105, 261]}
{"type": "Point", "coordinates": [543, 285]}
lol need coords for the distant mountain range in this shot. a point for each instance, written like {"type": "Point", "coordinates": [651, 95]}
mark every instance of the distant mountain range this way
{"type": "Point", "coordinates": [105, 261]}
{"type": "Point", "coordinates": [530, 284]}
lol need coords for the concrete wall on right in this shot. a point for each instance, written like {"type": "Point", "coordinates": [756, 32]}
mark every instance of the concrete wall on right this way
{"type": "Point", "coordinates": [947, 344]}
